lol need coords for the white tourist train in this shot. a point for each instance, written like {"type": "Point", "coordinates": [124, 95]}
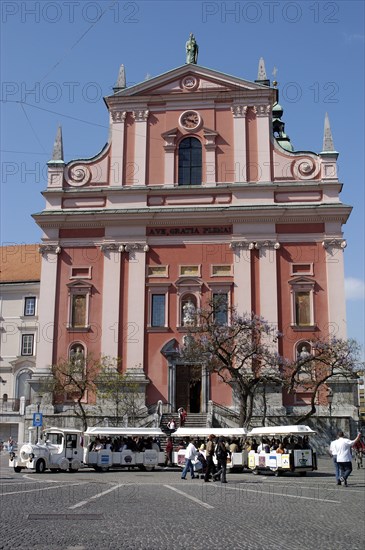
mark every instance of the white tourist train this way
{"type": "Point", "coordinates": [100, 448]}
{"type": "Point", "coordinates": [296, 454]}
{"type": "Point", "coordinates": [236, 461]}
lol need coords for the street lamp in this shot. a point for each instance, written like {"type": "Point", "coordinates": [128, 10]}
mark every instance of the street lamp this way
{"type": "Point", "coordinates": [38, 404]}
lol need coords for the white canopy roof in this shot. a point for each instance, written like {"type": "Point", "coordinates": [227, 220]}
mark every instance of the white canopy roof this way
{"type": "Point", "coordinates": [104, 431]}
{"type": "Point", "coordinates": [205, 432]}
{"type": "Point", "coordinates": [282, 430]}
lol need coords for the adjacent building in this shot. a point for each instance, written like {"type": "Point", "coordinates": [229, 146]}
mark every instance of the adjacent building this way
{"type": "Point", "coordinates": [19, 293]}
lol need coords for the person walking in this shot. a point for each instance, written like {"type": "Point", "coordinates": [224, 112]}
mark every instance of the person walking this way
{"type": "Point", "coordinates": [221, 452]}
{"type": "Point", "coordinates": [190, 453]}
{"type": "Point", "coordinates": [344, 457]}
{"type": "Point", "coordinates": [209, 453]}
{"type": "Point", "coordinates": [333, 452]}
{"type": "Point", "coordinates": [168, 452]}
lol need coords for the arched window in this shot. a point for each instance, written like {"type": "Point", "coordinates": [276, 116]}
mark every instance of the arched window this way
{"type": "Point", "coordinates": [22, 387]}
{"type": "Point", "coordinates": [190, 162]}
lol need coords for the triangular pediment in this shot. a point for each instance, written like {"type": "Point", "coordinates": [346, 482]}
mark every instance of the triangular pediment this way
{"type": "Point", "coordinates": [191, 78]}
{"type": "Point", "coordinates": [79, 283]}
{"type": "Point", "coordinates": [305, 281]}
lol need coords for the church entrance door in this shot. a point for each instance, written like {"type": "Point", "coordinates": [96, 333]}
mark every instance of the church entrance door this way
{"type": "Point", "coordinates": [188, 387]}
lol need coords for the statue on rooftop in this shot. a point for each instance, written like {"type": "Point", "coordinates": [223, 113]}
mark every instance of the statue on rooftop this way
{"type": "Point", "coordinates": [192, 50]}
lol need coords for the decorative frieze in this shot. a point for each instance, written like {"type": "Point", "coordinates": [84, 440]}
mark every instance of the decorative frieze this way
{"type": "Point", "coordinates": [49, 249]}
{"type": "Point", "coordinates": [255, 245]}
{"type": "Point", "coordinates": [124, 247]}
{"type": "Point", "coordinates": [118, 116]}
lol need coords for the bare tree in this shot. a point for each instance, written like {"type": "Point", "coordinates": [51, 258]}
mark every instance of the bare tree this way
{"type": "Point", "coordinates": [72, 381]}
{"type": "Point", "coordinates": [118, 394]}
{"type": "Point", "coordinates": [240, 349]}
{"type": "Point", "coordinates": [326, 361]}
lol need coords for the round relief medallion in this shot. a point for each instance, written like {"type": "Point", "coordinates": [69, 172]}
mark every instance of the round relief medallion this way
{"type": "Point", "coordinates": [189, 83]}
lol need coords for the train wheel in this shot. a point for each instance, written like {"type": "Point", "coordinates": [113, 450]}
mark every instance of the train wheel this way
{"type": "Point", "coordinates": [40, 466]}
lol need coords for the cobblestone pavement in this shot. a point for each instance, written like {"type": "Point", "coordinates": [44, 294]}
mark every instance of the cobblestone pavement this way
{"type": "Point", "coordinates": [157, 510]}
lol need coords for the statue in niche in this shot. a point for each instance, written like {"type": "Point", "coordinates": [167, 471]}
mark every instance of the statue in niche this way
{"type": "Point", "coordinates": [188, 313]}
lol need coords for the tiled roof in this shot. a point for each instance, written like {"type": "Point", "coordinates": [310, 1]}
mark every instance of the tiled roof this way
{"type": "Point", "coordinates": [20, 263]}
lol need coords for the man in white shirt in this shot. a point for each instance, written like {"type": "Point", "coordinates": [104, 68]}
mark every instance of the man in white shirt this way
{"type": "Point", "coordinates": [333, 451]}
{"type": "Point", "coordinates": [344, 457]}
{"type": "Point", "coordinates": [190, 454]}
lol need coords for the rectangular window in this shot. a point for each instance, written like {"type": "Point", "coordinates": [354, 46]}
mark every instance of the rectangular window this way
{"type": "Point", "coordinates": [221, 270]}
{"type": "Point", "coordinates": [78, 311]}
{"type": "Point", "coordinates": [220, 304]}
{"type": "Point", "coordinates": [27, 344]}
{"type": "Point", "coordinates": [302, 309]}
{"type": "Point", "coordinates": [190, 271]}
{"type": "Point", "coordinates": [80, 273]}
{"type": "Point", "coordinates": [158, 310]}
{"type": "Point", "coordinates": [29, 306]}
{"type": "Point", "coordinates": [157, 271]}
{"type": "Point", "coordinates": [302, 269]}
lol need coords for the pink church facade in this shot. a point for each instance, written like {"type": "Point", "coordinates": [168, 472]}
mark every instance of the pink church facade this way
{"type": "Point", "coordinates": [198, 192]}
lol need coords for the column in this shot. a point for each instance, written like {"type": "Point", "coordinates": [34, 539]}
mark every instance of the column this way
{"type": "Point", "coordinates": [239, 141]}
{"type": "Point", "coordinates": [263, 142]}
{"type": "Point", "coordinates": [336, 285]}
{"type": "Point", "coordinates": [117, 139]}
{"type": "Point", "coordinates": [140, 145]}
{"type": "Point", "coordinates": [111, 299]}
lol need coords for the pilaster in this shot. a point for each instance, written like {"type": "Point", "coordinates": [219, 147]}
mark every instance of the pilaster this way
{"type": "Point", "coordinates": [117, 153]}
{"type": "Point", "coordinates": [336, 284]}
{"type": "Point", "coordinates": [263, 141]}
{"type": "Point", "coordinates": [140, 146]}
{"type": "Point", "coordinates": [111, 298]}
{"type": "Point", "coordinates": [239, 142]}
{"type": "Point", "coordinates": [242, 275]}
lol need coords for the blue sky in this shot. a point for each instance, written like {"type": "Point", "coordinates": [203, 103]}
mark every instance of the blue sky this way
{"type": "Point", "coordinates": [59, 58]}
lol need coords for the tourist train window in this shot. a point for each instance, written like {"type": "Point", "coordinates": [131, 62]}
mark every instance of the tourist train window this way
{"type": "Point", "coordinates": [27, 344]}
{"type": "Point", "coordinates": [29, 306]}
{"type": "Point", "coordinates": [190, 162]}
{"type": "Point", "coordinates": [302, 291]}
